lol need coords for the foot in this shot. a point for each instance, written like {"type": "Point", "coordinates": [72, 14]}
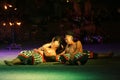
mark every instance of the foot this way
{"type": "Point", "coordinates": [67, 63]}
{"type": "Point", "coordinates": [78, 63]}
{"type": "Point", "coordinates": [9, 63]}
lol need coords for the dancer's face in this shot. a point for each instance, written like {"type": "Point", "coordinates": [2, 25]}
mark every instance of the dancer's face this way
{"type": "Point", "coordinates": [55, 44]}
{"type": "Point", "coordinates": [68, 39]}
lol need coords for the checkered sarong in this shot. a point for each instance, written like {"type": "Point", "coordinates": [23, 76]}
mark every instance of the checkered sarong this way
{"type": "Point", "coordinates": [37, 58]}
{"type": "Point", "coordinates": [82, 57]}
{"type": "Point", "coordinates": [26, 53]}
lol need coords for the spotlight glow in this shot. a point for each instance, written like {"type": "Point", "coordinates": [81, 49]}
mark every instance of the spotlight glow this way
{"type": "Point", "coordinates": [5, 7]}
{"type": "Point", "coordinates": [18, 23]}
{"type": "Point", "coordinates": [46, 75]}
{"type": "Point", "coordinates": [4, 24]}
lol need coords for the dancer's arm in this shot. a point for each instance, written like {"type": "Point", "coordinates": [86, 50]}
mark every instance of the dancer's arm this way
{"type": "Point", "coordinates": [78, 47]}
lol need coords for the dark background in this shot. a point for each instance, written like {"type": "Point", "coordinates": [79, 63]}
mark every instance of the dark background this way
{"type": "Point", "coordinates": [43, 17]}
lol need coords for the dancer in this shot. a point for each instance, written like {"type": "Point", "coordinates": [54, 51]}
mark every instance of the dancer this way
{"type": "Point", "coordinates": [37, 55]}
{"type": "Point", "coordinates": [75, 54]}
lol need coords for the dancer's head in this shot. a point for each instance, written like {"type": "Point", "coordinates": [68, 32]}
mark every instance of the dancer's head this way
{"type": "Point", "coordinates": [69, 37]}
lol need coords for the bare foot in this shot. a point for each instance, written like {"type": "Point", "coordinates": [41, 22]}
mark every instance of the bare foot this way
{"type": "Point", "coordinates": [9, 63]}
{"type": "Point", "coordinates": [78, 63]}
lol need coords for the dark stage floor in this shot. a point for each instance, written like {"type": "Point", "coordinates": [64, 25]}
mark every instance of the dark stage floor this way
{"type": "Point", "coordinates": [95, 69]}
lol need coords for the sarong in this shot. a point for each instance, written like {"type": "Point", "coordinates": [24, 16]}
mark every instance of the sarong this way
{"type": "Point", "coordinates": [82, 57]}
{"type": "Point", "coordinates": [30, 57]}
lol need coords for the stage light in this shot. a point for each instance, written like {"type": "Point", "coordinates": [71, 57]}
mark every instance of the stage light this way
{"type": "Point", "coordinates": [18, 23]}
{"type": "Point", "coordinates": [5, 7]}
{"type": "Point", "coordinates": [67, 1]}
{"type": "Point", "coordinates": [4, 24]}
{"type": "Point", "coordinates": [11, 24]}
{"type": "Point", "coordinates": [15, 8]}
{"type": "Point", "coordinates": [10, 5]}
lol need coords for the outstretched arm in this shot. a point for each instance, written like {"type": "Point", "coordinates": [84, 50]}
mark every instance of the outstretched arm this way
{"type": "Point", "coordinates": [47, 45]}
{"type": "Point", "coordinates": [41, 49]}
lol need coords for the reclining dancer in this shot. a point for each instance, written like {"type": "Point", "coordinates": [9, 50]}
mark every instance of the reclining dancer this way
{"type": "Point", "coordinates": [37, 55]}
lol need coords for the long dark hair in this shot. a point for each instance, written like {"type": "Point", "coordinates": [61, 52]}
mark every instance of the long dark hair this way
{"type": "Point", "coordinates": [57, 38]}
{"type": "Point", "coordinates": [61, 46]}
